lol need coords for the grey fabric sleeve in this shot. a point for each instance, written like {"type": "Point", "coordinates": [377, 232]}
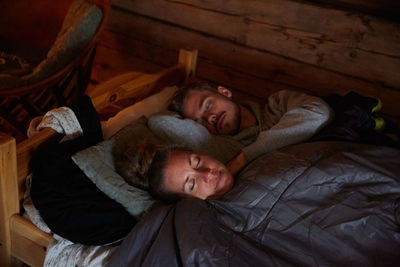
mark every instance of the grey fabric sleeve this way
{"type": "Point", "coordinates": [298, 117]}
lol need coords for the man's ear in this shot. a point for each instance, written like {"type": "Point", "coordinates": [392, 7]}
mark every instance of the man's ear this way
{"type": "Point", "coordinates": [223, 91]}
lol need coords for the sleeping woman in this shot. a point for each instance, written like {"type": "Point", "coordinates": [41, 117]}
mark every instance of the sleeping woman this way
{"type": "Point", "coordinates": [175, 172]}
{"type": "Point", "coordinates": [312, 204]}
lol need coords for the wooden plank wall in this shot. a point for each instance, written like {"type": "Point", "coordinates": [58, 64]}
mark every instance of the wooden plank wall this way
{"type": "Point", "coordinates": [256, 47]}
{"type": "Point", "coordinates": [389, 9]}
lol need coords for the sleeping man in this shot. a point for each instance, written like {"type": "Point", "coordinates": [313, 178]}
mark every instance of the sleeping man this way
{"type": "Point", "coordinates": [287, 118]}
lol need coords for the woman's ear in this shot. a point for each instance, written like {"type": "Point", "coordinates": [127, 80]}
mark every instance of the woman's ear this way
{"type": "Point", "coordinates": [223, 91]}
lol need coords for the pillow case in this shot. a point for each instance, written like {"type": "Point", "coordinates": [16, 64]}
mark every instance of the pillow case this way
{"type": "Point", "coordinates": [171, 127]}
{"type": "Point", "coordinates": [97, 162]}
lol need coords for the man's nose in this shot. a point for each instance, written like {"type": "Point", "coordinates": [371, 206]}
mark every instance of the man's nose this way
{"type": "Point", "coordinates": [211, 118]}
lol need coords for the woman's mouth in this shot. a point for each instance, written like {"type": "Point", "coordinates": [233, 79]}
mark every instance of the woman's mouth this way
{"type": "Point", "coordinates": [218, 180]}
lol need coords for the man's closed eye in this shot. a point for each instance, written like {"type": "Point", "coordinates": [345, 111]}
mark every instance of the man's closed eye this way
{"type": "Point", "coordinates": [208, 105]}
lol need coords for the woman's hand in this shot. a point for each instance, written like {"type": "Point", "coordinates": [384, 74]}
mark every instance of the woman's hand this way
{"type": "Point", "coordinates": [238, 163]}
{"type": "Point", "coordinates": [32, 129]}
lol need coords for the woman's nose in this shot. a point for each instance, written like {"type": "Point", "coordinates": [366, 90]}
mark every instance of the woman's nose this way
{"type": "Point", "coordinates": [208, 174]}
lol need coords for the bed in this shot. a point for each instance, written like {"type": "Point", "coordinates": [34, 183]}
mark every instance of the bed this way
{"type": "Point", "coordinates": [316, 203]}
{"type": "Point", "coordinates": [20, 239]}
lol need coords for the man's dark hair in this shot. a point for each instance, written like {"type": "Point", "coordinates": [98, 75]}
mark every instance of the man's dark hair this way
{"type": "Point", "coordinates": [178, 100]}
{"type": "Point", "coordinates": [156, 175]}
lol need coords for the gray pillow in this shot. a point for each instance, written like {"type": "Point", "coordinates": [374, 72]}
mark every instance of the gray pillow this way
{"type": "Point", "coordinates": [173, 129]}
{"type": "Point", "coordinates": [97, 162]}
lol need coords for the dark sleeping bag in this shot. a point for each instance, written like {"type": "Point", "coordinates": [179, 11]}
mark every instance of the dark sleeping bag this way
{"type": "Point", "coordinates": [70, 204]}
{"type": "Point", "coordinates": [313, 204]}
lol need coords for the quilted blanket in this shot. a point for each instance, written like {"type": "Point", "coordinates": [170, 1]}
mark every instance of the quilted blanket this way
{"type": "Point", "coordinates": [313, 204]}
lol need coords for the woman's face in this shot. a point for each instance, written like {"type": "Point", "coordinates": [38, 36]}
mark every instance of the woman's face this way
{"type": "Point", "coordinates": [196, 175]}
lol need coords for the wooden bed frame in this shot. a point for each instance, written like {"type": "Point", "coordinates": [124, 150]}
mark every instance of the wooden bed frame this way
{"type": "Point", "coordinates": [20, 239]}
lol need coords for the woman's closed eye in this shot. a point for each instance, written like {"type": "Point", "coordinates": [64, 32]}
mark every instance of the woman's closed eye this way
{"type": "Point", "coordinates": [192, 184]}
{"type": "Point", "coordinates": [195, 161]}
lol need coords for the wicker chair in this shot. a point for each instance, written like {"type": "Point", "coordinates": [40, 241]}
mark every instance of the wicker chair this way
{"type": "Point", "coordinates": [19, 105]}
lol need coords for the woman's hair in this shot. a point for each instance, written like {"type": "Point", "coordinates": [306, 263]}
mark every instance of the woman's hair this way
{"type": "Point", "coordinates": [156, 174]}
{"type": "Point", "coordinates": [143, 165]}
{"type": "Point", "coordinates": [133, 162]}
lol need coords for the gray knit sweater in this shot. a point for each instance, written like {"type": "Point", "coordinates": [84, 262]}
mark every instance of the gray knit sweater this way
{"type": "Point", "coordinates": [287, 118]}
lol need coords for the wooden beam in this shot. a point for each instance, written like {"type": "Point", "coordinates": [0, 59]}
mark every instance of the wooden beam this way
{"type": "Point", "coordinates": [387, 9]}
{"type": "Point", "coordinates": [9, 202]}
{"type": "Point", "coordinates": [142, 85]}
{"type": "Point", "coordinates": [22, 226]}
{"type": "Point", "coordinates": [29, 243]}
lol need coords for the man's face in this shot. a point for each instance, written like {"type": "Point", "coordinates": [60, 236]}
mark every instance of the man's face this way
{"type": "Point", "coordinates": [215, 110]}
{"type": "Point", "coordinates": [196, 175]}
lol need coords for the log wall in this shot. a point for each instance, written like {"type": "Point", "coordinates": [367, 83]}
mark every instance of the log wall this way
{"type": "Point", "coordinates": [389, 9]}
{"type": "Point", "coordinates": [257, 47]}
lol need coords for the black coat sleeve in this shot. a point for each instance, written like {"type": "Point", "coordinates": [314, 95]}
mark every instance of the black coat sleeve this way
{"type": "Point", "coordinates": [71, 205]}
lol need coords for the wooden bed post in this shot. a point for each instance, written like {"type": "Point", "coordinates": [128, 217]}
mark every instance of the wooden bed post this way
{"type": "Point", "coordinates": [189, 59]}
{"type": "Point", "coordinates": [9, 202]}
